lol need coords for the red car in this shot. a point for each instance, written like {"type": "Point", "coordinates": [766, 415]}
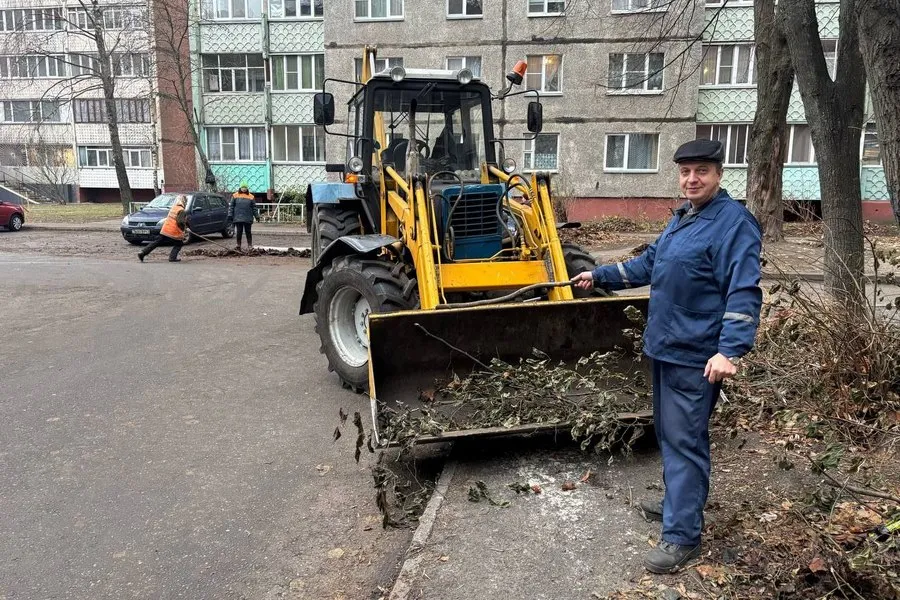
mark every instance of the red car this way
{"type": "Point", "coordinates": [11, 216]}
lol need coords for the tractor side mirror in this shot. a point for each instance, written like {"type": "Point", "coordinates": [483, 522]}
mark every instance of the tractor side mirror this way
{"type": "Point", "coordinates": [535, 117]}
{"type": "Point", "coordinates": [323, 108]}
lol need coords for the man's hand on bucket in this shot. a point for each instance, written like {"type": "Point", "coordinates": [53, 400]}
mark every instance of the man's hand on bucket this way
{"type": "Point", "coordinates": [718, 368]}
{"type": "Point", "coordinates": [584, 281]}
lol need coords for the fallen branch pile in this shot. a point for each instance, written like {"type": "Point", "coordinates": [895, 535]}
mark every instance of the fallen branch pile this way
{"type": "Point", "coordinates": [228, 253]}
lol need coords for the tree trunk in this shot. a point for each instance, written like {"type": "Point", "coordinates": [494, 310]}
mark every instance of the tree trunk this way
{"type": "Point", "coordinates": [879, 41]}
{"type": "Point", "coordinates": [768, 136]}
{"type": "Point", "coordinates": [107, 70]}
{"type": "Point", "coordinates": [834, 111]}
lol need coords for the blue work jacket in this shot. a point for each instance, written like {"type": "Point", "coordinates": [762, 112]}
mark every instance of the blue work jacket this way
{"type": "Point", "coordinates": [703, 273]}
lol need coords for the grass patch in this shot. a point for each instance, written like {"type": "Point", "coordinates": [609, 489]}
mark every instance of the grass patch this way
{"type": "Point", "coordinates": [72, 213]}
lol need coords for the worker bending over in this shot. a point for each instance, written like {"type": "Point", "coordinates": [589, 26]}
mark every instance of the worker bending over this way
{"type": "Point", "coordinates": [704, 272]}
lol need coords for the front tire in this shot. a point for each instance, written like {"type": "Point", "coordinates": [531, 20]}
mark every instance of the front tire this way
{"type": "Point", "coordinates": [228, 232]}
{"type": "Point", "coordinates": [330, 223]}
{"type": "Point", "coordinates": [15, 222]}
{"type": "Point", "coordinates": [351, 289]}
{"type": "Point", "coordinates": [578, 261]}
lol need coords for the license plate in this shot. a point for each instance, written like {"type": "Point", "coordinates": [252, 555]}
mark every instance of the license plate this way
{"type": "Point", "coordinates": [141, 232]}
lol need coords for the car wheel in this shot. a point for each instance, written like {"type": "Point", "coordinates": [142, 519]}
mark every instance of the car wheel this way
{"type": "Point", "coordinates": [228, 232]}
{"type": "Point", "coordinates": [135, 242]}
{"type": "Point", "coordinates": [15, 222]}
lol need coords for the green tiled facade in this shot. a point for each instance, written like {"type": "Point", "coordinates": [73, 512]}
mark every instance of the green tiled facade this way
{"type": "Point", "coordinates": [257, 105]}
{"type": "Point", "coordinates": [736, 105]}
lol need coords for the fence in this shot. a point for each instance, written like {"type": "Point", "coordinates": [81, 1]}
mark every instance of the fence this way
{"type": "Point", "coordinates": [269, 212]}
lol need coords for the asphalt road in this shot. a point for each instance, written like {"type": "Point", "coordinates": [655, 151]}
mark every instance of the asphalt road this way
{"type": "Point", "coordinates": [165, 432]}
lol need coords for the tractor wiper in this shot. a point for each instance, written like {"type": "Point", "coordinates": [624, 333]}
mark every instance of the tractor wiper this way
{"type": "Point", "coordinates": [400, 118]}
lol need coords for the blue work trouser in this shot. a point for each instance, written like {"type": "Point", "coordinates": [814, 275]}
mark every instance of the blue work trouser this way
{"type": "Point", "coordinates": [683, 400]}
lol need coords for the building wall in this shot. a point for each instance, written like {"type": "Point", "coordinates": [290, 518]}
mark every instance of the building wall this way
{"type": "Point", "coordinates": [67, 90]}
{"type": "Point", "coordinates": [582, 114]}
{"type": "Point", "coordinates": [269, 108]}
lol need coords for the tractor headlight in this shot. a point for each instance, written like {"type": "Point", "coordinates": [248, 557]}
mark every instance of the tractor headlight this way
{"type": "Point", "coordinates": [509, 165]}
{"type": "Point", "coordinates": [355, 164]}
{"type": "Point", "coordinates": [398, 73]}
{"type": "Point", "coordinates": [464, 76]}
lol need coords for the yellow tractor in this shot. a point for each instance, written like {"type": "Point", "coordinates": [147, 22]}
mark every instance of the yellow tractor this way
{"type": "Point", "coordinates": [432, 252]}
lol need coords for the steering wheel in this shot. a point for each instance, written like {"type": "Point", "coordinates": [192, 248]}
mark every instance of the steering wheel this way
{"type": "Point", "coordinates": [421, 148]}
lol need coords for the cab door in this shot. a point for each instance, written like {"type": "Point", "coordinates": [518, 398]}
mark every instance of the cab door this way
{"type": "Point", "coordinates": [200, 214]}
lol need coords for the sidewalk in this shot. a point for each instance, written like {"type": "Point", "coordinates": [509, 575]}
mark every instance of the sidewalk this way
{"type": "Point", "coordinates": [113, 225]}
{"type": "Point", "coordinates": [583, 543]}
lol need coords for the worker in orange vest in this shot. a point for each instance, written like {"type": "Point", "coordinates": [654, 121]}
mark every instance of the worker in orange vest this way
{"type": "Point", "coordinates": [173, 230]}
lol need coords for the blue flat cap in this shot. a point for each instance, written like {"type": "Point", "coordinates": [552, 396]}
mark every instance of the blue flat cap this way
{"type": "Point", "coordinates": [700, 151]}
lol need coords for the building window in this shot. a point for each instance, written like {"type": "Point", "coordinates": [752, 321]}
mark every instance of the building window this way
{"type": "Point", "coordinates": [541, 153]}
{"type": "Point", "coordinates": [544, 73]}
{"type": "Point", "coordinates": [638, 152]}
{"type": "Point", "coordinates": [829, 49]}
{"type": "Point", "coordinates": [298, 143]}
{"type": "Point", "coordinates": [236, 144]}
{"type": "Point", "coordinates": [233, 73]}
{"type": "Point", "coordinates": [640, 73]}
{"type": "Point", "coordinates": [93, 110]}
{"type": "Point", "coordinates": [800, 146]}
{"type": "Point", "coordinates": [729, 64]}
{"type": "Point", "coordinates": [31, 111]}
{"type": "Point", "coordinates": [112, 17]}
{"type": "Point", "coordinates": [381, 64]}
{"type": "Point", "coordinates": [292, 9]}
{"type": "Point", "coordinates": [472, 63]}
{"type": "Point", "coordinates": [135, 158]}
{"type": "Point", "coordinates": [735, 138]}
{"type": "Point", "coordinates": [639, 5]}
{"type": "Point", "coordinates": [131, 65]}
{"type": "Point", "coordinates": [31, 19]}
{"type": "Point", "coordinates": [225, 10]}
{"type": "Point", "coordinates": [540, 8]}
{"type": "Point", "coordinates": [871, 154]}
{"type": "Point", "coordinates": [464, 8]}
{"type": "Point", "coordinates": [379, 9]}
{"type": "Point", "coordinates": [33, 67]}
{"type": "Point", "coordinates": [305, 72]}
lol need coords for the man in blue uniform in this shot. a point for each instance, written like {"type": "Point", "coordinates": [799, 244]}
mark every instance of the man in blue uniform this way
{"type": "Point", "coordinates": [704, 272]}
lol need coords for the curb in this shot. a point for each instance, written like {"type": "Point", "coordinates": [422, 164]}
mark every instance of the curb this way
{"type": "Point", "coordinates": [99, 229]}
{"type": "Point", "coordinates": [403, 585]}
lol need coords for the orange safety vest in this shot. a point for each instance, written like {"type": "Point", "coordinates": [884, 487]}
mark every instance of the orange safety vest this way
{"type": "Point", "coordinates": [170, 228]}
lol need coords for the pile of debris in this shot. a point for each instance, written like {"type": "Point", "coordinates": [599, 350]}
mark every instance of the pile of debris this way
{"type": "Point", "coordinates": [259, 251]}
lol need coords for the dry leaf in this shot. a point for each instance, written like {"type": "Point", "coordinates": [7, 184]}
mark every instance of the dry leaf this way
{"type": "Point", "coordinates": [586, 476]}
{"type": "Point", "coordinates": [444, 558]}
{"type": "Point", "coordinates": [817, 565]}
{"type": "Point", "coordinates": [536, 489]}
{"type": "Point", "coordinates": [568, 486]}
{"type": "Point", "coordinates": [336, 553]}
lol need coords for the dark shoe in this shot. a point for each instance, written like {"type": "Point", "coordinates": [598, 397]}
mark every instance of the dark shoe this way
{"type": "Point", "coordinates": [174, 260]}
{"type": "Point", "coordinates": [669, 558]}
{"type": "Point", "coordinates": [141, 256]}
{"type": "Point", "coordinates": [652, 509]}
{"type": "Point", "coordinates": [238, 247]}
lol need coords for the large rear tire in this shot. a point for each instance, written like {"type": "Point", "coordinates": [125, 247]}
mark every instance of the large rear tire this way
{"type": "Point", "coordinates": [351, 288]}
{"type": "Point", "coordinates": [330, 223]}
{"type": "Point", "coordinates": [578, 261]}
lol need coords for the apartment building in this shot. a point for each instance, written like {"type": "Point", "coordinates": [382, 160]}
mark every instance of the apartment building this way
{"type": "Point", "coordinates": [727, 103]}
{"type": "Point", "coordinates": [54, 138]}
{"type": "Point", "coordinates": [259, 64]}
{"type": "Point", "coordinates": [623, 83]}
{"type": "Point", "coordinates": [617, 100]}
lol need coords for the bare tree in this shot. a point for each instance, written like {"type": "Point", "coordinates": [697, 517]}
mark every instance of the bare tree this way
{"type": "Point", "coordinates": [768, 136]}
{"type": "Point", "coordinates": [834, 110]}
{"type": "Point", "coordinates": [114, 44]}
{"type": "Point", "coordinates": [51, 168]}
{"type": "Point", "coordinates": [879, 40]}
{"type": "Point", "coordinates": [175, 68]}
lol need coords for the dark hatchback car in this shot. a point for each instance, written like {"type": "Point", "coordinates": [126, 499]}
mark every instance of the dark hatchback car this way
{"type": "Point", "coordinates": [208, 214]}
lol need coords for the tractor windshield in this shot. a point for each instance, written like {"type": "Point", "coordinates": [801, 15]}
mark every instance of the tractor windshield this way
{"type": "Point", "coordinates": [449, 129]}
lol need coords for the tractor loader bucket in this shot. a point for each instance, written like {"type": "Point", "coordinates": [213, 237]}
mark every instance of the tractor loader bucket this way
{"type": "Point", "coordinates": [411, 351]}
